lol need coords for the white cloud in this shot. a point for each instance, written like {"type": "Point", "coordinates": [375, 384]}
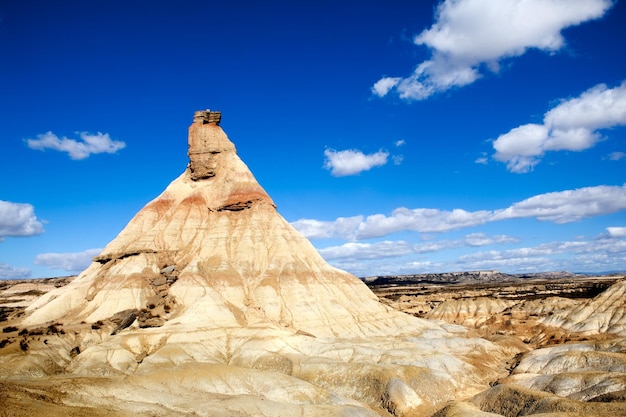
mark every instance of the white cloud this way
{"type": "Point", "coordinates": [10, 272]}
{"type": "Point", "coordinates": [419, 220]}
{"type": "Point", "coordinates": [597, 108]}
{"type": "Point", "coordinates": [617, 232]}
{"type": "Point", "coordinates": [378, 250]}
{"type": "Point", "coordinates": [568, 206]}
{"type": "Point", "coordinates": [616, 156]}
{"type": "Point", "coordinates": [77, 149]}
{"type": "Point", "coordinates": [481, 239]}
{"type": "Point", "coordinates": [482, 159]}
{"type": "Point", "coordinates": [400, 142]}
{"type": "Point", "coordinates": [343, 227]}
{"type": "Point", "coordinates": [469, 35]}
{"type": "Point", "coordinates": [521, 147]}
{"type": "Point", "coordinates": [71, 262]}
{"type": "Point", "coordinates": [558, 207]}
{"type": "Point", "coordinates": [382, 86]}
{"type": "Point", "coordinates": [392, 249]}
{"type": "Point", "coordinates": [18, 219]}
{"type": "Point", "coordinates": [577, 256]}
{"type": "Point", "coordinates": [571, 126]}
{"type": "Point", "coordinates": [532, 264]}
{"type": "Point", "coordinates": [352, 161]}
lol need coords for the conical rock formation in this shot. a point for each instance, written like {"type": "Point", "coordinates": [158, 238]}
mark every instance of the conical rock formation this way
{"type": "Point", "coordinates": [217, 252]}
{"type": "Point", "coordinates": [210, 286]}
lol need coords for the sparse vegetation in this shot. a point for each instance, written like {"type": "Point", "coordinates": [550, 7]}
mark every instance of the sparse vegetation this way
{"type": "Point", "coordinates": [24, 345]}
{"type": "Point", "coordinates": [36, 332]}
{"type": "Point", "coordinates": [52, 329]}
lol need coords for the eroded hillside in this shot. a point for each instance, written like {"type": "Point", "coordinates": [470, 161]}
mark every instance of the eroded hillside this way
{"type": "Point", "coordinates": [569, 332]}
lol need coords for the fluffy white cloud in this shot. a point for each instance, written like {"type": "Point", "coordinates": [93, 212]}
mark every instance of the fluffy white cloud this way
{"type": "Point", "coordinates": [469, 35]}
{"type": "Point", "coordinates": [343, 227]}
{"type": "Point", "coordinates": [572, 126]}
{"type": "Point", "coordinates": [558, 207]}
{"type": "Point", "coordinates": [568, 206]}
{"type": "Point", "coordinates": [597, 108]}
{"type": "Point", "coordinates": [73, 262]}
{"type": "Point", "coordinates": [378, 250]}
{"type": "Point", "coordinates": [77, 149]}
{"type": "Point", "coordinates": [384, 85]}
{"type": "Point", "coordinates": [9, 272]}
{"type": "Point", "coordinates": [419, 220]}
{"type": "Point", "coordinates": [352, 161]}
{"type": "Point", "coordinates": [617, 232]}
{"type": "Point", "coordinates": [18, 219]}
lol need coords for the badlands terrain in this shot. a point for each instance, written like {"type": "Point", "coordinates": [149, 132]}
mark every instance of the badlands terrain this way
{"type": "Point", "coordinates": [209, 303]}
{"type": "Point", "coordinates": [555, 366]}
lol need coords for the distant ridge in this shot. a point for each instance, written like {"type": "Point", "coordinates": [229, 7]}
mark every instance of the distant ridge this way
{"type": "Point", "coordinates": [463, 277]}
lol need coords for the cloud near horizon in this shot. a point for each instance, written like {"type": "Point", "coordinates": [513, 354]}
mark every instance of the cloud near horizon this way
{"type": "Point", "coordinates": [571, 126]}
{"type": "Point", "coordinates": [618, 232]}
{"type": "Point", "coordinates": [604, 246]}
{"type": "Point", "coordinates": [352, 161]}
{"type": "Point", "coordinates": [383, 258]}
{"type": "Point", "coordinates": [471, 35]}
{"type": "Point", "coordinates": [391, 249]}
{"type": "Point", "coordinates": [18, 219]}
{"type": "Point", "coordinates": [77, 149]}
{"type": "Point", "coordinates": [74, 262]}
{"type": "Point", "coordinates": [558, 207]}
{"type": "Point", "coordinates": [10, 272]}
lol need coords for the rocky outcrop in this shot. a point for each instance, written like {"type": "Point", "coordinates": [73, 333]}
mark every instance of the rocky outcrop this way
{"type": "Point", "coordinates": [471, 312]}
{"type": "Point", "coordinates": [605, 313]}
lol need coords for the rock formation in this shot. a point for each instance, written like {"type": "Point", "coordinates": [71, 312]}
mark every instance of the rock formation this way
{"type": "Point", "coordinates": [605, 313]}
{"type": "Point", "coordinates": [214, 252]}
{"type": "Point", "coordinates": [578, 365]}
{"type": "Point", "coordinates": [209, 302]}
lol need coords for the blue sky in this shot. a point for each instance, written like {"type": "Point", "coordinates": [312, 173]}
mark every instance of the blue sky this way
{"type": "Point", "coordinates": [400, 137]}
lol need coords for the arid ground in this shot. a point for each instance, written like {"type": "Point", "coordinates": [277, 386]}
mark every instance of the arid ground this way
{"type": "Point", "coordinates": [510, 313]}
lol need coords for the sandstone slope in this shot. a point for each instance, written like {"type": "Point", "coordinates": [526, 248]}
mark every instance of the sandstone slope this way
{"type": "Point", "coordinates": [605, 313]}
